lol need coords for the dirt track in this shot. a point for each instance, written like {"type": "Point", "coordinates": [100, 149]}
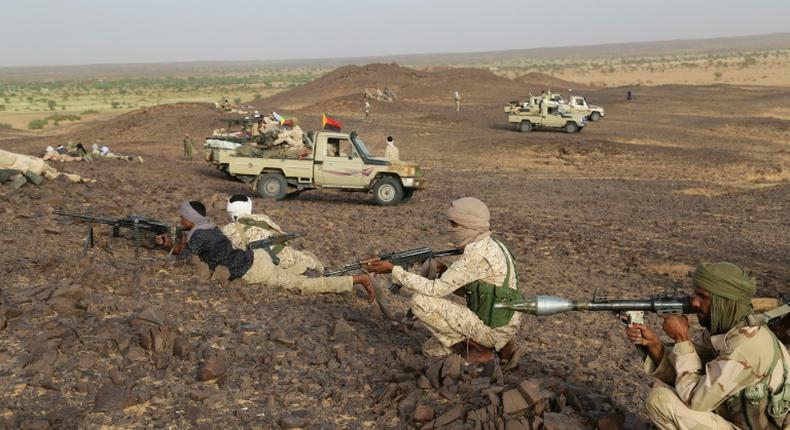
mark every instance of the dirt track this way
{"type": "Point", "coordinates": [678, 176]}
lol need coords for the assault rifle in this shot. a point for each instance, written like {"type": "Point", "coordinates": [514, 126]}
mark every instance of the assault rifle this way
{"type": "Point", "coordinates": [400, 258]}
{"type": "Point", "coordinates": [630, 311]}
{"type": "Point", "coordinates": [273, 244]}
{"type": "Point", "coordinates": [140, 226]}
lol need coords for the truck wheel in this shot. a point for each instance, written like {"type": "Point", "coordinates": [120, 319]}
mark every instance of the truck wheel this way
{"type": "Point", "coordinates": [388, 191]}
{"type": "Point", "coordinates": [525, 126]}
{"type": "Point", "coordinates": [595, 116]}
{"type": "Point", "coordinates": [272, 186]}
{"type": "Point", "coordinates": [571, 127]}
{"type": "Point", "coordinates": [407, 194]}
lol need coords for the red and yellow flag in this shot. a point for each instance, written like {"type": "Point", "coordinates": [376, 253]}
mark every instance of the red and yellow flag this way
{"type": "Point", "coordinates": [329, 123]}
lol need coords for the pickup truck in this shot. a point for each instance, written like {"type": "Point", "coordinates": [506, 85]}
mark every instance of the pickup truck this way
{"type": "Point", "coordinates": [335, 161]}
{"type": "Point", "coordinates": [528, 116]}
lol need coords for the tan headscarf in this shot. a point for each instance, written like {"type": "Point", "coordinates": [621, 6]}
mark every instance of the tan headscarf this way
{"type": "Point", "coordinates": [472, 217]}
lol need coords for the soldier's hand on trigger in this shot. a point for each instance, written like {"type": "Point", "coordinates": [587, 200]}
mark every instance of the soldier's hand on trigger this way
{"type": "Point", "coordinates": [640, 334]}
{"type": "Point", "coordinates": [164, 240]}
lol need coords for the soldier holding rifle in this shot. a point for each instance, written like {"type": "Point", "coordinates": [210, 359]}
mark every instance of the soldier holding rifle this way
{"type": "Point", "coordinates": [485, 273]}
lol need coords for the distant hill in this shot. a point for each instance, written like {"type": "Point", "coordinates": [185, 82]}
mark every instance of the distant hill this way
{"type": "Point", "coordinates": [198, 68]}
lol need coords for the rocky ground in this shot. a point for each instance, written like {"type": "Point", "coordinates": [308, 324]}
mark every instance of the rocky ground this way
{"type": "Point", "coordinates": [129, 338]}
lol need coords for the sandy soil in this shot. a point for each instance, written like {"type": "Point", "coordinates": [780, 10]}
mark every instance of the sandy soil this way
{"type": "Point", "coordinates": [680, 175]}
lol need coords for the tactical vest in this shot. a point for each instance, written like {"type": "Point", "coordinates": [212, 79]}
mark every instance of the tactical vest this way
{"type": "Point", "coordinates": [481, 296]}
{"type": "Point", "coordinates": [249, 223]}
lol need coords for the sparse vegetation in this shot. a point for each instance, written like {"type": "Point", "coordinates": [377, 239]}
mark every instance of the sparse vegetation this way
{"type": "Point", "coordinates": [4, 125]}
{"type": "Point", "coordinates": [89, 112]}
{"type": "Point", "coordinates": [37, 124]}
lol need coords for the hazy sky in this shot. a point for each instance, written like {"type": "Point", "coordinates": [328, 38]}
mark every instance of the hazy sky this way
{"type": "Point", "coordinates": [46, 32]}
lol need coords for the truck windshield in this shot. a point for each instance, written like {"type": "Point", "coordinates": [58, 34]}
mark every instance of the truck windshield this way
{"type": "Point", "coordinates": [363, 150]}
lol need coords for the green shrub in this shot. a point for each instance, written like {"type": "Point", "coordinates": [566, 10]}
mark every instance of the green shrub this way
{"type": "Point", "coordinates": [4, 125]}
{"type": "Point", "coordinates": [257, 96]}
{"type": "Point", "coordinates": [51, 104]}
{"type": "Point", "coordinates": [2, 107]}
{"type": "Point", "coordinates": [37, 124]}
{"type": "Point", "coordinates": [58, 117]}
{"type": "Point", "coordinates": [115, 104]}
{"type": "Point", "coordinates": [89, 112]}
{"type": "Point", "coordinates": [237, 100]}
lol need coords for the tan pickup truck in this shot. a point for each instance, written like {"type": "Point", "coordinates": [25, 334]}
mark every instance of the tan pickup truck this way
{"type": "Point", "coordinates": [529, 116]}
{"type": "Point", "coordinates": [336, 161]}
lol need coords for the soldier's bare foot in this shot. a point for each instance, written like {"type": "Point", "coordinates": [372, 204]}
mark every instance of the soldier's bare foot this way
{"type": "Point", "coordinates": [474, 353]}
{"type": "Point", "coordinates": [510, 355]}
{"type": "Point", "coordinates": [506, 353]}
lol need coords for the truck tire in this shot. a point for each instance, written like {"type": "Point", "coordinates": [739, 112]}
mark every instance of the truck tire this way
{"type": "Point", "coordinates": [388, 191]}
{"type": "Point", "coordinates": [571, 127]}
{"type": "Point", "coordinates": [525, 126]}
{"type": "Point", "coordinates": [407, 194]}
{"type": "Point", "coordinates": [595, 116]}
{"type": "Point", "coordinates": [272, 186]}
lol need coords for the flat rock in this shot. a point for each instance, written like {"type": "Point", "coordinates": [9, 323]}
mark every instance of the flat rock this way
{"type": "Point", "coordinates": [152, 315]}
{"type": "Point", "coordinates": [517, 425]}
{"type": "Point", "coordinates": [279, 335]}
{"type": "Point", "coordinates": [532, 391]}
{"type": "Point", "coordinates": [423, 413]}
{"type": "Point", "coordinates": [292, 422]}
{"type": "Point", "coordinates": [513, 403]}
{"type": "Point", "coordinates": [213, 368]}
{"type": "Point", "coordinates": [611, 422]}
{"type": "Point", "coordinates": [453, 414]}
{"type": "Point", "coordinates": [555, 421]}
{"type": "Point", "coordinates": [111, 397]}
{"type": "Point", "coordinates": [343, 332]}
{"type": "Point", "coordinates": [451, 368]}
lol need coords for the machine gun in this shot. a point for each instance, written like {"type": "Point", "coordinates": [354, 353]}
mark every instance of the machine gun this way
{"type": "Point", "coordinates": [631, 311]}
{"type": "Point", "coordinates": [140, 226]}
{"type": "Point", "coordinates": [400, 258]}
{"type": "Point", "coordinates": [273, 244]}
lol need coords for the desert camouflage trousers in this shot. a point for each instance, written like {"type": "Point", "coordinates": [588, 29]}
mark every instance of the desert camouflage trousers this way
{"type": "Point", "coordinates": [297, 262]}
{"type": "Point", "coordinates": [263, 271]}
{"type": "Point", "coordinates": [668, 412]}
{"type": "Point", "coordinates": [451, 323]}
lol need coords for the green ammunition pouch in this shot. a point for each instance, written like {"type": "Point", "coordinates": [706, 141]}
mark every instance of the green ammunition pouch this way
{"type": "Point", "coordinates": [760, 396]}
{"type": "Point", "coordinates": [481, 296]}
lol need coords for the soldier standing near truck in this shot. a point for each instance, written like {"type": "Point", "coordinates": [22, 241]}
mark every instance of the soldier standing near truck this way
{"type": "Point", "coordinates": [189, 147]}
{"type": "Point", "coordinates": [367, 111]}
{"type": "Point", "coordinates": [742, 378]}
{"type": "Point", "coordinates": [391, 153]}
{"type": "Point", "coordinates": [457, 98]}
{"type": "Point", "coordinates": [485, 272]}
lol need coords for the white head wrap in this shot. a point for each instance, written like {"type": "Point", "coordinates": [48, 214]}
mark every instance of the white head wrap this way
{"type": "Point", "coordinates": [239, 208]}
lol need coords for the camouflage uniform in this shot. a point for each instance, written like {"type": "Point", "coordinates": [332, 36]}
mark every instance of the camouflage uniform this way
{"type": "Point", "coordinates": [710, 397]}
{"type": "Point", "coordinates": [254, 227]}
{"type": "Point", "coordinates": [263, 271]}
{"type": "Point", "coordinates": [293, 138]}
{"type": "Point", "coordinates": [392, 153]}
{"type": "Point", "coordinates": [451, 322]}
{"type": "Point", "coordinates": [457, 98]}
{"type": "Point", "coordinates": [189, 147]}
